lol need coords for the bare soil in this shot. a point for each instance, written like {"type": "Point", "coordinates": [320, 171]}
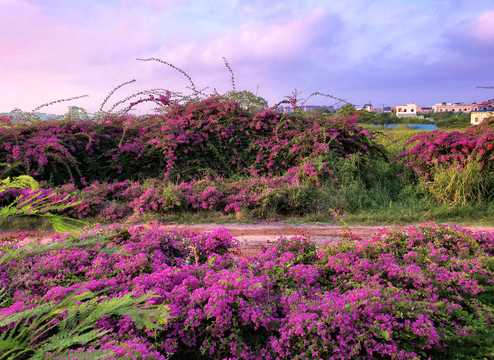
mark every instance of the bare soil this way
{"type": "Point", "coordinates": [253, 237]}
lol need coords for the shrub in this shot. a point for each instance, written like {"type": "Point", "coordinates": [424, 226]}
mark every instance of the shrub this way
{"type": "Point", "coordinates": [425, 292]}
{"type": "Point", "coordinates": [213, 136]}
{"type": "Point", "coordinates": [455, 167]}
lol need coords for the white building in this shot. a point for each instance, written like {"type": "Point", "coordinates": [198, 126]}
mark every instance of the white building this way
{"type": "Point", "coordinates": [409, 109]}
{"type": "Point", "coordinates": [476, 117]}
{"type": "Point", "coordinates": [456, 107]}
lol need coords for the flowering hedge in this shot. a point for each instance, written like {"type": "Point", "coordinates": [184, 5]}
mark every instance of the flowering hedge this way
{"type": "Point", "coordinates": [450, 149]}
{"type": "Point", "coordinates": [425, 292]}
{"type": "Point", "coordinates": [213, 136]}
{"type": "Point", "coordinates": [455, 167]}
{"type": "Point", "coordinates": [118, 200]}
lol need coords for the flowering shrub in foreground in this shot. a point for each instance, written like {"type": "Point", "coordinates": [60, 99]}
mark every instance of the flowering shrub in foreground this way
{"type": "Point", "coordinates": [426, 292]}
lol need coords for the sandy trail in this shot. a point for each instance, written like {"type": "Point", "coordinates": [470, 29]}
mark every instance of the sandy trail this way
{"type": "Point", "coordinates": [253, 237]}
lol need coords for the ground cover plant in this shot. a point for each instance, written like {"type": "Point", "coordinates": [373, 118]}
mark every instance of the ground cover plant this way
{"type": "Point", "coordinates": [426, 292]}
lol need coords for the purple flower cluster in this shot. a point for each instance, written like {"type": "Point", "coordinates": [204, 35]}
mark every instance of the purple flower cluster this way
{"type": "Point", "coordinates": [425, 292]}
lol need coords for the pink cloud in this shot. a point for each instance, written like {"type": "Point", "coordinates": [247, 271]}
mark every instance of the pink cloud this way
{"type": "Point", "coordinates": [483, 28]}
{"type": "Point", "coordinates": [252, 42]}
{"type": "Point", "coordinates": [51, 57]}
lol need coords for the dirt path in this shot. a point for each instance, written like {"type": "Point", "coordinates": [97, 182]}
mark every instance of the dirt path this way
{"type": "Point", "coordinates": [253, 237]}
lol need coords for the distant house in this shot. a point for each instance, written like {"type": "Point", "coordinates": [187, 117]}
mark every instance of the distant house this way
{"type": "Point", "coordinates": [477, 117]}
{"type": "Point", "coordinates": [424, 109]}
{"type": "Point", "coordinates": [407, 110]}
{"type": "Point", "coordinates": [368, 107]}
{"type": "Point", "coordinates": [389, 110]}
{"type": "Point", "coordinates": [456, 107]}
{"type": "Point", "coordinates": [485, 110]}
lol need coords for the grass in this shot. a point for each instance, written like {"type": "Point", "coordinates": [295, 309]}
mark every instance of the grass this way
{"type": "Point", "coordinates": [403, 215]}
{"type": "Point", "coordinates": [25, 222]}
{"type": "Point", "coordinates": [397, 213]}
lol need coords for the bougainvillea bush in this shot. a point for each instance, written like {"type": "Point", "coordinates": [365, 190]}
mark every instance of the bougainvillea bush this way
{"type": "Point", "coordinates": [455, 167]}
{"type": "Point", "coordinates": [214, 137]}
{"type": "Point", "coordinates": [118, 200]}
{"type": "Point", "coordinates": [209, 154]}
{"type": "Point", "coordinates": [425, 292]}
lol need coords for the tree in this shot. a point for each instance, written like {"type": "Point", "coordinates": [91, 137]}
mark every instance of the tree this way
{"type": "Point", "coordinates": [247, 100]}
{"type": "Point", "coordinates": [365, 116]}
{"type": "Point", "coordinates": [347, 110]}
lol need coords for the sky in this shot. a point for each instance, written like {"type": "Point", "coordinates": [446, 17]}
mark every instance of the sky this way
{"type": "Point", "coordinates": [384, 52]}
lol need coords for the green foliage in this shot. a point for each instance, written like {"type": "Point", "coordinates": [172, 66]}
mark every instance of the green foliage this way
{"type": "Point", "coordinates": [347, 110]}
{"type": "Point", "coordinates": [449, 119]}
{"type": "Point", "coordinates": [247, 100]}
{"type": "Point", "coordinates": [367, 117]}
{"type": "Point", "coordinates": [387, 118]}
{"type": "Point", "coordinates": [20, 182]}
{"type": "Point", "coordinates": [37, 205]}
{"type": "Point", "coordinates": [52, 328]}
{"type": "Point", "coordinates": [459, 185]}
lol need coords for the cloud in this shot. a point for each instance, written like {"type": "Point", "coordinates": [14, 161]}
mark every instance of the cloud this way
{"type": "Point", "coordinates": [59, 49]}
{"type": "Point", "coordinates": [482, 28]}
{"type": "Point", "coordinates": [254, 42]}
{"type": "Point", "coordinates": [54, 56]}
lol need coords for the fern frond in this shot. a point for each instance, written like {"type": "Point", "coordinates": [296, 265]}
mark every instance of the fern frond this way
{"type": "Point", "coordinates": [86, 355]}
{"type": "Point", "coordinates": [38, 205]}
{"type": "Point", "coordinates": [63, 224]}
{"type": "Point", "coordinates": [19, 182]}
{"type": "Point", "coordinates": [32, 332]}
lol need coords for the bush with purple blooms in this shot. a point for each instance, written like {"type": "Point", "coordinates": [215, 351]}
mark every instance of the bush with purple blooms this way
{"type": "Point", "coordinates": [113, 201]}
{"type": "Point", "coordinates": [454, 167]}
{"type": "Point", "coordinates": [214, 137]}
{"type": "Point", "coordinates": [423, 293]}
{"type": "Point", "coordinates": [208, 154]}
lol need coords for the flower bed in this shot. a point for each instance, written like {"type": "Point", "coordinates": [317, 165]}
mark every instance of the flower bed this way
{"type": "Point", "coordinates": [426, 292]}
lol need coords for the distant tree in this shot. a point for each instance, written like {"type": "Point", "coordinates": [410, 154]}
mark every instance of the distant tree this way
{"type": "Point", "coordinates": [324, 110]}
{"type": "Point", "coordinates": [247, 100]}
{"type": "Point", "coordinates": [442, 115]}
{"type": "Point", "coordinates": [367, 117]}
{"type": "Point", "coordinates": [387, 118]}
{"type": "Point", "coordinates": [460, 119]}
{"type": "Point", "coordinates": [347, 110]}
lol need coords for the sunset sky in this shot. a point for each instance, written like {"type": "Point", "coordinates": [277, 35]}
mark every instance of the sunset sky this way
{"type": "Point", "coordinates": [382, 51]}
